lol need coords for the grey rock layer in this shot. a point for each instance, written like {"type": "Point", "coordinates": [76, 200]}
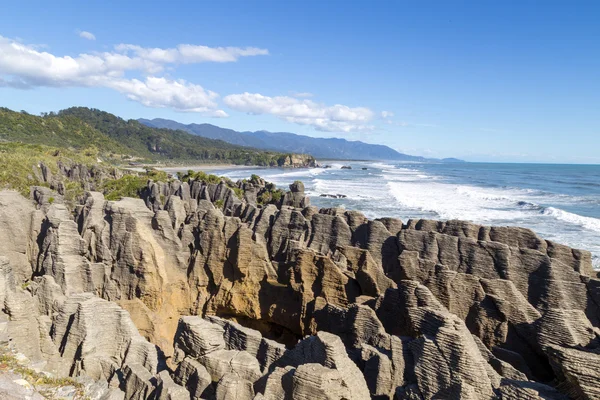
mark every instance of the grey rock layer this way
{"type": "Point", "coordinates": [170, 296]}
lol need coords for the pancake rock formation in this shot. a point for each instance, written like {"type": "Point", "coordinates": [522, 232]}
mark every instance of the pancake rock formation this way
{"type": "Point", "coordinates": [198, 291]}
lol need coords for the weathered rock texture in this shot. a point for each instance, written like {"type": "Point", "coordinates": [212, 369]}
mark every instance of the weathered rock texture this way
{"type": "Point", "coordinates": [234, 300]}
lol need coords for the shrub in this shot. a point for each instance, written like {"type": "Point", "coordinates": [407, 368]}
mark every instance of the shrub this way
{"type": "Point", "coordinates": [127, 186]}
{"type": "Point", "coordinates": [200, 176]}
{"type": "Point", "coordinates": [238, 192]}
{"type": "Point", "coordinates": [276, 196]}
{"type": "Point", "coordinates": [254, 178]}
{"type": "Point", "coordinates": [264, 198]}
{"type": "Point", "coordinates": [18, 162]}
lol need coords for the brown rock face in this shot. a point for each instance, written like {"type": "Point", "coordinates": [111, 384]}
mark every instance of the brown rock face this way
{"type": "Point", "coordinates": [226, 289]}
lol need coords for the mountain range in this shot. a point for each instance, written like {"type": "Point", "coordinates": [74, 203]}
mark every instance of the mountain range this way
{"type": "Point", "coordinates": [321, 148]}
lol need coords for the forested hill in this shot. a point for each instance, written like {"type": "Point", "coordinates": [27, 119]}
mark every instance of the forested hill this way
{"type": "Point", "coordinates": [114, 137]}
{"type": "Point", "coordinates": [50, 130]}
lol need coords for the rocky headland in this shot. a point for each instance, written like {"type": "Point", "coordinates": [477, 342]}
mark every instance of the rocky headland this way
{"type": "Point", "coordinates": [205, 289]}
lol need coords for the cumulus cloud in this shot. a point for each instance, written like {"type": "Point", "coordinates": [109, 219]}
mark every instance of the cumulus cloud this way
{"type": "Point", "coordinates": [387, 114]}
{"type": "Point", "coordinates": [161, 92]}
{"type": "Point", "coordinates": [25, 66]}
{"type": "Point", "coordinates": [336, 118]}
{"type": "Point", "coordinates": [86, 35]}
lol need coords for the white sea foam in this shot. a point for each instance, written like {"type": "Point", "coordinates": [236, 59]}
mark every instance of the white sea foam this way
{"type": "Point", "coordinates": [380, 165]}
{"type": "Point", "coordinates": [356, 189]}
{"type": "Point", "coordinates": [590, 223]}
{"type": "Point", "coordinates": [337, 165]}
{"type": "Point", "coordinates": [449, 201]}
{"type": "Point", "coordinates": [508, 196]}
{"type": "Point", "coordinates": [295, 173]}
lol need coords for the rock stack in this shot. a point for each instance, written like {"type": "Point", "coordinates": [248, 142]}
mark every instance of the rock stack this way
{"type": "Point", "coordinates": [172, 297]}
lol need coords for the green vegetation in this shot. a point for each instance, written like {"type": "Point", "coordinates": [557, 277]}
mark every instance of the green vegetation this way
{"type": "Point", "coordinates": [127, 186]}
{"type": "Point", "coordinates": [64, 132]}
{"type": "Point", "coordinates": [271, 195]}
{"type": "Point", "coordinates": [157, 144]}
{"type": "Point", "coordinates": [219, 204]}
{"type": "Point", "coordinates": [20, 169]}
{"type": "Point", "coordinates": [277, 195]}
{"type": "Point", "coordinates": [103, 134]}
{"type": "Point", "coordinates": [99, 141]}
{"type": "Point", "coordinates": [199, 176]}
{"type": "Point", "coordinates": [210, 178]}
{"type": "Point", "coordinates": [20, 164]}
{"type": "Point", "coordinates": [131, 185]}
{"type": "Point", "coordinates": [238, 192]}
{"type": "Point", "coordinates": [73, 191]}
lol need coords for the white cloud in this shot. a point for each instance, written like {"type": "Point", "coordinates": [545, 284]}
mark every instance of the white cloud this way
{"type": "Point", "coordinates": [336, 118]}
{"type": "Point", "coordinates": [188, 53]}
{"type": "Point", "coordinates": [86, 35]}
{"type": "Point", "coordinates": [134, 71]}
{"type": "Point", "coordinates": [387, 114]}
{"type": "Point", "coordinates": [160, 92]}
{"type": "Point", "coordinates": [24, 66]}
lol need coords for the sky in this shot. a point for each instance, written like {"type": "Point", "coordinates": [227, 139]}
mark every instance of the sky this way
{"type": "Point", "coordinates": [498, 81]}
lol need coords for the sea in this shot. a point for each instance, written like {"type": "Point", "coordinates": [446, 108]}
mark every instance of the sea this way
{"type": "Point", "coordinates": [559, 202]}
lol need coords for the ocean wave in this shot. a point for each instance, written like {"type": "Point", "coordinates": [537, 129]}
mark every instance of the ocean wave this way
{"type": "Point", "coordinates": [337, 165]}
{"type": "Point", "coordinates": [401, 171]}
{"type": "Point", "coordinates": [380, 165]}
{"type": "Point", "coordinates": [356, 189]}
{"type": "Point", "coordinates": [299, 172]}
{"type": "Point", "coordinates": [590, 223]}
{"type": "Point", "coordinates": [528, 205]}
{"type": "Point", "coordinates": [448, 201]}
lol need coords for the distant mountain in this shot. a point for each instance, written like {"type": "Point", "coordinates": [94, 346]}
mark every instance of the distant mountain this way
{"type": "Point", "coordinates": [331, 148]}
{"type": "Point", "coordinates": [207, 131]}
{"type": "Point", "coordinates": [452, 160]}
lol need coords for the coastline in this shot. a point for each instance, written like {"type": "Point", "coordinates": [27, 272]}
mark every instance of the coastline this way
{"type": "Point", "coordinates": [195, 168]}
{"type": "Point", "coordinates": [208, 167]}
{"type": "Point", "coordinates": [215, 234]}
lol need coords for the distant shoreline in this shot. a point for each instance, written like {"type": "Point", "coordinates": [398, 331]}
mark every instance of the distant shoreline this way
{"type": "Point", "coordinates": [197, 167]}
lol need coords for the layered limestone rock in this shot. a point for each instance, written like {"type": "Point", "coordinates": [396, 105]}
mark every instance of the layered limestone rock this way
{"type": "Point", "coordinates": [18, 223]}
{"type": "Point", "coordinates": [79, 335]}
{"type": "Point", "coordinates": [194, 291]}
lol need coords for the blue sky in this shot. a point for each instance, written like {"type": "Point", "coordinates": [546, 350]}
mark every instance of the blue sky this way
{"type": "Point", "coordinates": [481, 80]}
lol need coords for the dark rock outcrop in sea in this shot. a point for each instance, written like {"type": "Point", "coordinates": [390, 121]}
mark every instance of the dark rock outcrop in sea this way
{"type": "Point", "coordinates": [172, 297]}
